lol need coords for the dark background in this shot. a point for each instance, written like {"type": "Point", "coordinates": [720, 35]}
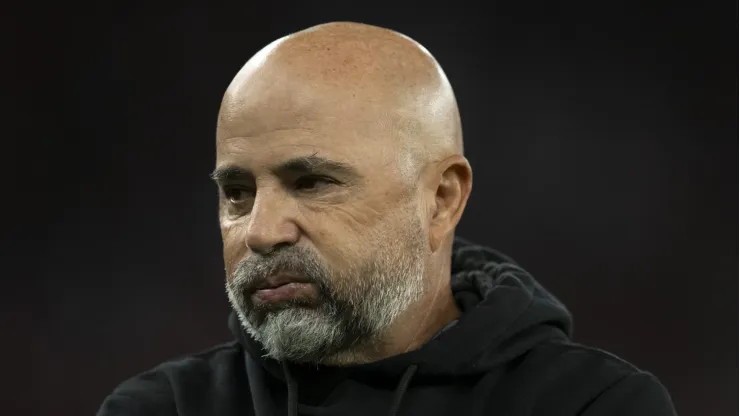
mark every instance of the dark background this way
{"type": "Point", "coordinates": [603, 140]}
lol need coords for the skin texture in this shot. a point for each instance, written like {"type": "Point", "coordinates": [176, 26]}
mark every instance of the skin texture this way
{"type": "Point", "coordinates": [373, 234]}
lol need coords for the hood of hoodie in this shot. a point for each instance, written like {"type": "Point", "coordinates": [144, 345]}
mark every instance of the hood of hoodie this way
{"type": "Point", "coordinates": [505, 313]}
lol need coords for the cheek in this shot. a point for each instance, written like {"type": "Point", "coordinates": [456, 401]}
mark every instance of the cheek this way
{"type": "Point", "coordinates": [342, 220]}
{"type": "Point", "coordinates": [232, 233]}
{"type": "Point", "coordinates": [342, 232]}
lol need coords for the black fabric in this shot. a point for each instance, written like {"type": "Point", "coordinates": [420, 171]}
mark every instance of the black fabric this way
{"type": "Point", "coordinates": [510, 353]}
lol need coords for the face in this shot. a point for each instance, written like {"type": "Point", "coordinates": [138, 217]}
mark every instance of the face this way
{"type": "Point", "coordinates": [324, 245]}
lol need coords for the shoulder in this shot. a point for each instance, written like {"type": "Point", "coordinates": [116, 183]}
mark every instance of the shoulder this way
{"type": "Point", "coordinates": [568, 359]}
{"type": "Point", "coordinates": [599, 382]}
{"type": "Point", "coordinates": [163, 389]}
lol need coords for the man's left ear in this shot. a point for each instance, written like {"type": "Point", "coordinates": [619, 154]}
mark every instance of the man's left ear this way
{"type": "Point", "coordinates": [454, 179]}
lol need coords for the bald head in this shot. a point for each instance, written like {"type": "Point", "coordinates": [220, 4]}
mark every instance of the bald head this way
{"type": "Point", "coordinates": [387, 85]}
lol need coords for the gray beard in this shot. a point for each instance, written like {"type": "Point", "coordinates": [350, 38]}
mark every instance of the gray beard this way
{"type": "Point", "coordinates": [356, 309]}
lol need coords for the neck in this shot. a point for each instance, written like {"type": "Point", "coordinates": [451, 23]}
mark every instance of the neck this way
{"type": "Point", "coordinates": [430, 317]}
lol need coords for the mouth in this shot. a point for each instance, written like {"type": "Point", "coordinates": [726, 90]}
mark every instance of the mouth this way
{"type": "Point", "coordinates": [282, 288]}
{"type": "Point", "coordinates": [274, 282]}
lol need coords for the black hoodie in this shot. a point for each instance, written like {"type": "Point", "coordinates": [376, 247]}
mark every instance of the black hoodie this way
{"type": "Point", "coordinates": [509, 354]}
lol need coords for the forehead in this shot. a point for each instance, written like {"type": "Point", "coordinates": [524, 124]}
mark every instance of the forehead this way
{"type": "Point", "coordinates": [281, 122]}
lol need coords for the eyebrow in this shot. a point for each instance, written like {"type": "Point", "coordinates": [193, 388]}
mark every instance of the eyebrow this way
{"type": "Point", "coordinates": [304, 165]}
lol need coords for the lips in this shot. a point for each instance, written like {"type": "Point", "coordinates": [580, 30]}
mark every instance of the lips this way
{"type": "Point", "coordinates": [281, 288]}
{"type": "Point", "coordinates": [285, 292]}
{"type": "Point", "coordinates": [275, 282]}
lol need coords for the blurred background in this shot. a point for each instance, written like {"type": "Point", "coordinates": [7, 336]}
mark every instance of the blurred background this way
{"type": "Point", "coordinates": [603, 139]}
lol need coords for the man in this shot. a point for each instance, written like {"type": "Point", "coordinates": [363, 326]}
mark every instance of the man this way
{"type": "Point", "coordinates": [342, 178]}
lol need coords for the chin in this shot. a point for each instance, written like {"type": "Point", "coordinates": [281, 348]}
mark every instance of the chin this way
{"type": "Point", "coordinates": [298, 334]}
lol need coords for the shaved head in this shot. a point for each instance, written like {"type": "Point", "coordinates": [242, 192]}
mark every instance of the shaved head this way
{"type": "Point", "coordinates": [340, 171]}
{"type": "Point", "coordinates": [385, 76]}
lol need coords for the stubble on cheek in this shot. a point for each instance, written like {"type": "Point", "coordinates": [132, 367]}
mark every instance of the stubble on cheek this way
{"type": "Point", "coordinates": [234, 248]}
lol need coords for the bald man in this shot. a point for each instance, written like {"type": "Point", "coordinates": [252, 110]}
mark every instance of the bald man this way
{"type": "Point", "coordinates": [341, 178]}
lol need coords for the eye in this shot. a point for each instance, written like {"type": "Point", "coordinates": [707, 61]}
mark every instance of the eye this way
{"type": "Point", "coordinates": [237, 195]}
{"type": "Point", "coordinates": [313, 182]}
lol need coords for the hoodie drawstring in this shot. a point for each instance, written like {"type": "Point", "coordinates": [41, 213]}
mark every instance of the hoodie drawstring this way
{"type": "Point", "coordinates": [401, 389]}
{"type": "Point", "coordinates": [292, 391]}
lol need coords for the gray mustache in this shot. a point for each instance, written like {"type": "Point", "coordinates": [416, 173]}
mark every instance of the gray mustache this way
{"type": "Point", "coordinates": [253, 271]}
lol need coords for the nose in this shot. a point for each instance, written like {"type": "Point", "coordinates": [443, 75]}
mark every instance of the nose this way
{"type": "Point", "coordinates": [271, 223]}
